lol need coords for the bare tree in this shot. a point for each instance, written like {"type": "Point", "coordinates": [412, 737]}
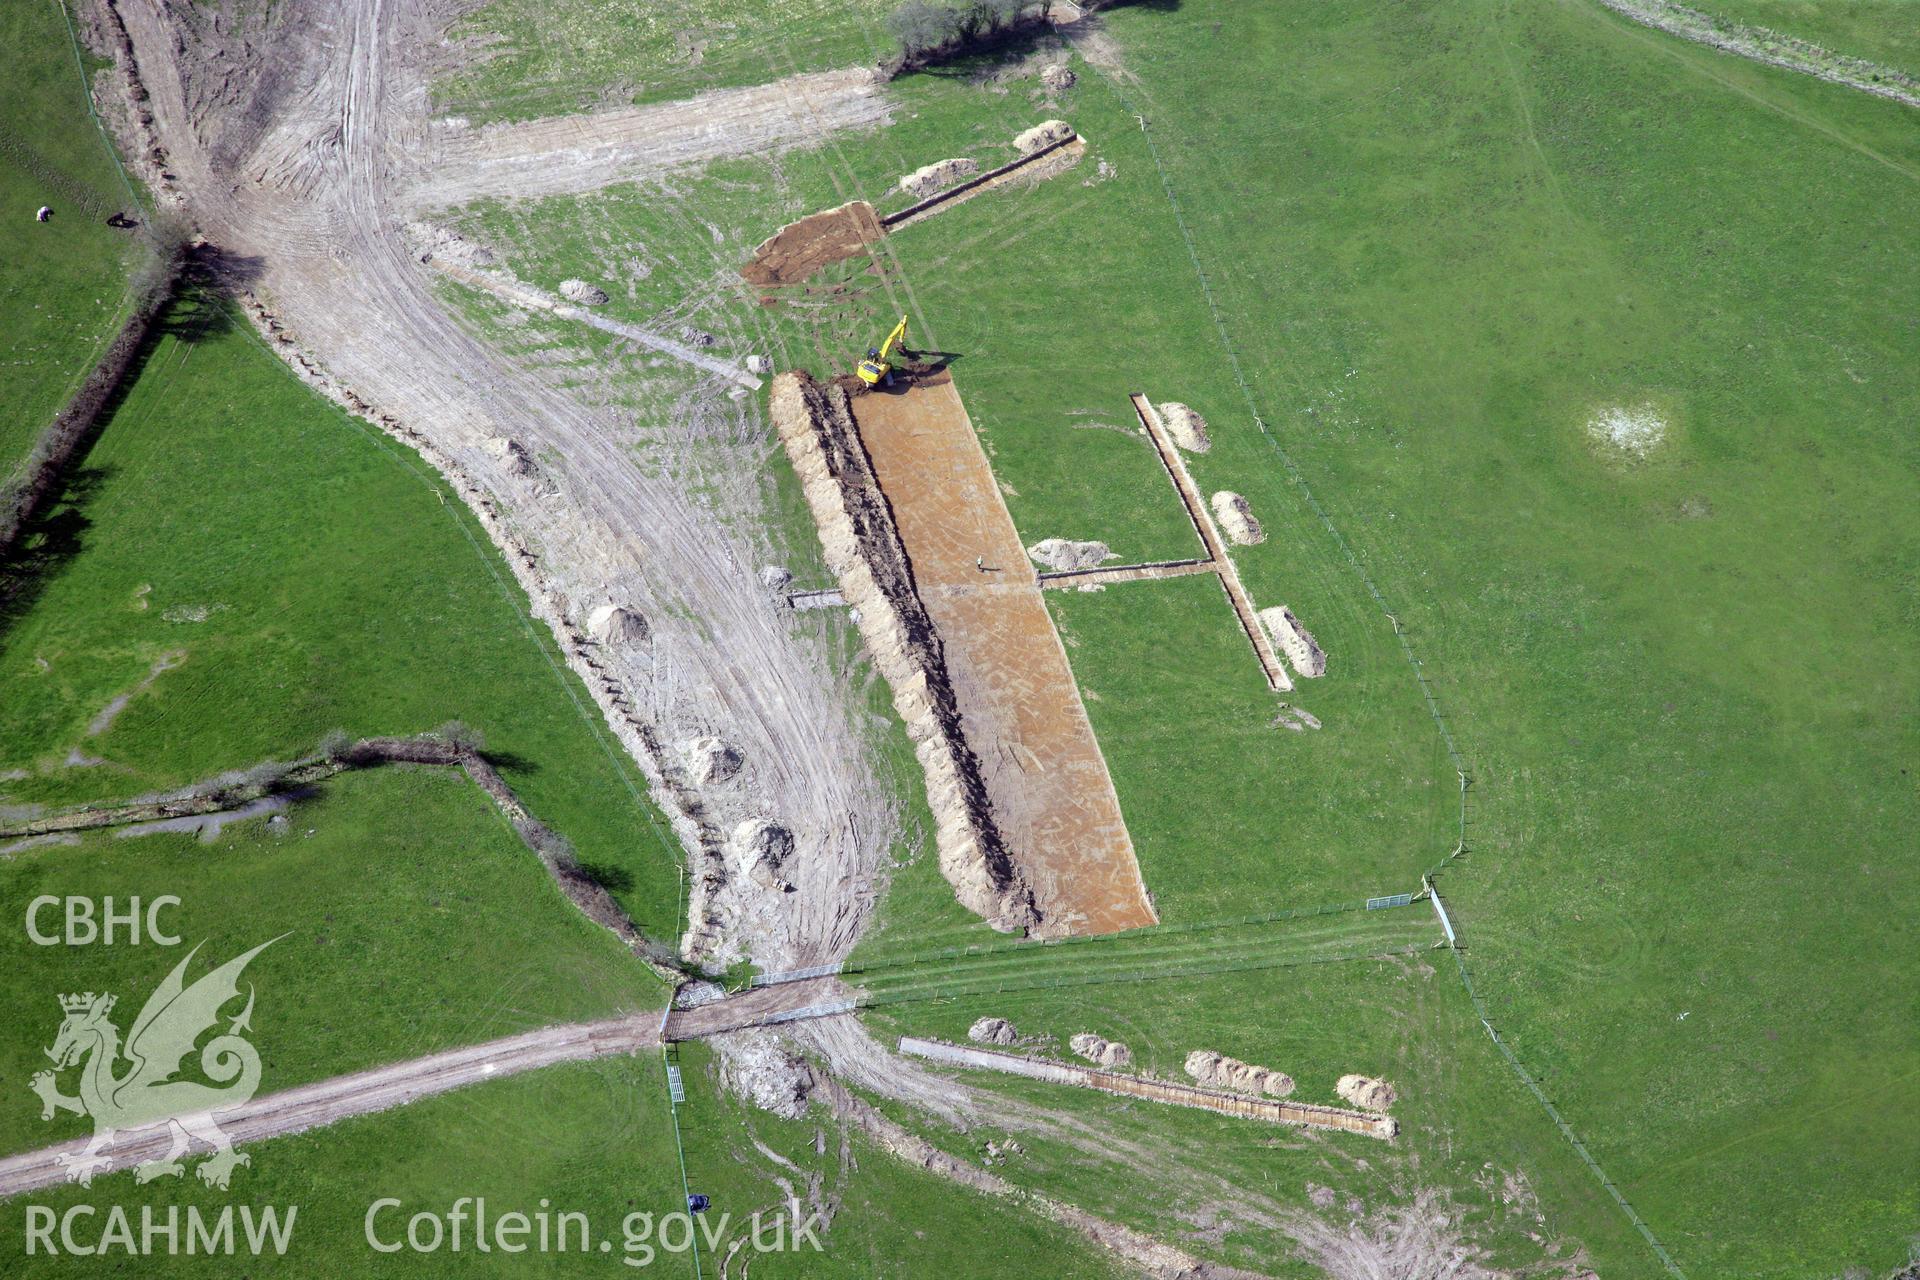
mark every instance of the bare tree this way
{"type": "Point", "coordinates": [920, 26]}
{"type": "Point", "coordinates": [1003, 13]}
{"type": "Point", "coordinates": [462, 735]}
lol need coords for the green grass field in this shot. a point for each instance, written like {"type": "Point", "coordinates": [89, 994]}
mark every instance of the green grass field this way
{"type": "Point", "coordinates": [65, 288]}
{"type": "Point", "coordinates": [1684, 684]}
{"type": "Point", "coordinates": [1461, 1112]}
{"type": "Point", "coordinates": [413, 918]}
{"type": "Point", "coordinates": [1443, 240]}
{"type": "Point", "coordinates": [893, 1220]}
{"type": "Point", "coordinates": [291, 572]}
{"type": "Point", "coordinates": [593, 1138]}
{"type": "Point", "coordinates": [1229, 813]}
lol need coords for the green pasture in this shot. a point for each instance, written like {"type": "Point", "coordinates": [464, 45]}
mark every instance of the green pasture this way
{"type": "Point", "coordinates": [893, 1219]}
{"type": "Point", "coordinates": [409, 919]}
{"type": "Point", "coordinates": [1465, 1122]}
{"type": "Point", "coordinates": [595, 1139]}
{"type": "Point", "coordinates": [65, 289]}
{"type": "Point", "coordinates": [248, 568]}
{"type": "Point", "coordinates": [1445, 243]}
{"type": "Point", "coordinates": [1454, 236]}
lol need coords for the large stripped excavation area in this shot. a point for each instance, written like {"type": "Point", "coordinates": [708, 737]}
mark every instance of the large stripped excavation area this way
{"type": "Point", "coordinates": [1020, 709]}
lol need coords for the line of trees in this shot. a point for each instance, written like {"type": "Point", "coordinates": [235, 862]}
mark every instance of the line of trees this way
{"type": "Point", "coordinates": [922, 26]}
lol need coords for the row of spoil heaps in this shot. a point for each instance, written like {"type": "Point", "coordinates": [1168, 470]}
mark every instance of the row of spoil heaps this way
{"type": "Point", "coordinates": [1235, 516]}
{"type": "Point", "coordinates": [931, 179]}
{"type": "Point", "coordinates": [1209, 1069]}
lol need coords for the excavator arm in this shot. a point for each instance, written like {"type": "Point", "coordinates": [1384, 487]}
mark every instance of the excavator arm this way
{"type": "Point", "coordinates": [895, 341]}
{"type": "Point", "coordinates": [879, 362]}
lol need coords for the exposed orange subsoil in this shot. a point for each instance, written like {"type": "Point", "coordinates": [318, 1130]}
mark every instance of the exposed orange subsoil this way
{"type": "Point", "coordinates": [1020, 709]}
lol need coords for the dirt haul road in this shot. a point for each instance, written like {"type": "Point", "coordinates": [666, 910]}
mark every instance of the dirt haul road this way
{"type": "Point", "coordinates": [297, 144]}
{"type": "Point", "coordinates": [326, 1101]}
{"type": "Point", "coordinates": [575, 154]}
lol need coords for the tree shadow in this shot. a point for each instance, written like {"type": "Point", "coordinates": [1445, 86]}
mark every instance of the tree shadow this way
{"type": "Point", "coordinates": [194, 317]}
{"type": "Point", "coordinates": [510, 762]}
{"type": "Point", "coordinates": [988, 50]}
{"type": "Point", "coordinates": [612, 879]}
{"type": "Point", "coordinates": [55, 536]}
{"type": "Point", "coordinates": [223, 271]}
{"type": "Point", "coordinates": [986, 53]}
{"type": "Point", "coordinates": [47, 547]}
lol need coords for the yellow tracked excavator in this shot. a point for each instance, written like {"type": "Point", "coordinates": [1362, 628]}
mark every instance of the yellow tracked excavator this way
{"type": "Point", "coordinates": [878, 366]}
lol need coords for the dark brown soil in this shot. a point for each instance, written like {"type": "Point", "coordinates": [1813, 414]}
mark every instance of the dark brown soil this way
{"type": "Point", "coordinates": [793, 253]}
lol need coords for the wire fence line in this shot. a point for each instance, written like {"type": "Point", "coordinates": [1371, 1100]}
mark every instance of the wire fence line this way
{"type": "Point", "coordinates": [947, 954]}
{"type": "Point", "coordinates": [1047, 982]}
{"type": "Point", "coordinates": [86, 90]}
{"type": "Point", "coordinates": [676, 1094]}
{"type": "Point", "coordinates": [1298, 480]}
{"type": "Point", "coordinates": [1297, 939]}
{"type": "Point", "coordinates": [1566, 1130]}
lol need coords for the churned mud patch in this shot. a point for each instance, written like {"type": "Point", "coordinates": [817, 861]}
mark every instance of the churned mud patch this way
{"type": "Point", "coordinates": [1425, 1238]}
{"type": "Point", "coordinates": [793, 253]}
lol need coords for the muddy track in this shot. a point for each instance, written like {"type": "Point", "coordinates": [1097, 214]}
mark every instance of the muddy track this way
{"type": "Point", "coordinates": [569, 155]}
{"type": "Point", "coordinates": [1141, 1253]}
{"type": "Point", "coordinates": [295, 149]}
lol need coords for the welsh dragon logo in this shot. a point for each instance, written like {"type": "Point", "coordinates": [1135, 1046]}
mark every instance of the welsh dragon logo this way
{"type": "Point", "coordinates": [145, 1095]}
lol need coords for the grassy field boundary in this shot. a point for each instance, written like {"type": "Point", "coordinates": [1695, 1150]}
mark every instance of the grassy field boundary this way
{"type": "Point", "coordinates": [676, 1094]}
{"type": "Point", "coordinates": [410, 459]}
{"type": "Point", "coordinates": [71, 433]}
{"type": "Point", "coordinates": [269, 780]}
{"type": "Point", "coordinates": [92, 389]}
{"type": "Point", "coordinates": [1413, 661]}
